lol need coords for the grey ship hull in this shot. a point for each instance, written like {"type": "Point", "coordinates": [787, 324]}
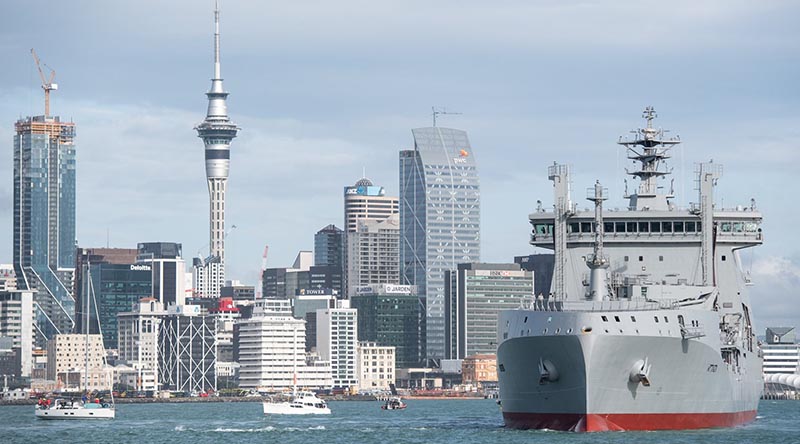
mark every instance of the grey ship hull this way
{"type": "Point", "coordinates": [690, 385]}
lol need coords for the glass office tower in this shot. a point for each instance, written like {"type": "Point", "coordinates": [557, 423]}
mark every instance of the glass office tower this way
{"type": "Point", "coordinates": [439, 219]}
{"type": "Point", "coordinates": [44, 221]}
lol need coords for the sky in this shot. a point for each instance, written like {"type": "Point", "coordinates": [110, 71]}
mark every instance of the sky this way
{"type": "Point", "coordinates": [325, 90]}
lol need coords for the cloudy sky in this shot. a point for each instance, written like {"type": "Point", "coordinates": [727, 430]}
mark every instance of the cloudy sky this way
{"type": "Point", "coordinates": [323, 89]}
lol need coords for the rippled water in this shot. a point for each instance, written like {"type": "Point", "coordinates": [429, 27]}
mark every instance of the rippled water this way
{"type": "Point", "coordinates": [424, 421]}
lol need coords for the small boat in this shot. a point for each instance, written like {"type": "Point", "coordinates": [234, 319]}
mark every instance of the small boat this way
{"type": "Point", "coordinates": [394, 403]}
{"type": "Point", "coordinates": [301, 403]}
{"type": "Point", "coordinates": [70, 409]}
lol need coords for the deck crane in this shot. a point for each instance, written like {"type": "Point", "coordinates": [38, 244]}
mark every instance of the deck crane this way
{"type": "Point", "coordinates": [47, 85]}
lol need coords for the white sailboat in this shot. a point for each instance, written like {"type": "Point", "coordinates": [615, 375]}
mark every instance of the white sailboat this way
{"type": "Point", "coordinates": [87, 408]}
{"type": "Point", "coordinates": [301, 403]}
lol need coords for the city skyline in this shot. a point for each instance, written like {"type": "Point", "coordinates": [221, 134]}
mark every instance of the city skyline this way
{"type": "Point", "coordinates": [321, 105]}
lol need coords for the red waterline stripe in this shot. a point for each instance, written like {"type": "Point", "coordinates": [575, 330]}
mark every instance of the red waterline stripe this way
{"type": "Point", "coordinates": [595, 422]}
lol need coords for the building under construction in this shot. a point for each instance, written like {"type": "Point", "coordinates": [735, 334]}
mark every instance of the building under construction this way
{"type": "Point", "coordinates": [44, 217]}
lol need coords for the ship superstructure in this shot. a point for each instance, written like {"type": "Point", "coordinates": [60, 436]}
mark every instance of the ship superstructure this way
{"type": "Point", "coordinates": [648, 325]}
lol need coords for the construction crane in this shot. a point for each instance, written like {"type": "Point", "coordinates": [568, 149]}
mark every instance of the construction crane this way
{"type": "Point", "coordinates": [47, 85]}
{"type": "Point", "coordinates": [260, 289]}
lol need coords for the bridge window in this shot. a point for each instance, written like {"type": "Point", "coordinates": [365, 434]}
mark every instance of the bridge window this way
{"type": "Point", "coordinates": [586, 227]}
{"type": "Point", "coordinates": [666, 227]}
{"type": "Point", "coordinates": [644, 227]}
{"type": "Point", "coordinates": [690, 227]}
{"type": "Point", "coordinates": [616, 318]}
{"type": "Point", "coordinates": [604, 318]}
{"type": "Point", "coordinates": [630, 227]}
{"type": "Point", "coordinates": [725, 227]}
{"type": "Point", "coordinates": [738, 227]}
{"type": "Point", "coordinates": [655, 227]}
{"type": "Point", "coordinates": [608, 227]}
{"type": "Point", "coordinates": [677, 227]}
{"type": "Point", "coordinates": [574, 227]}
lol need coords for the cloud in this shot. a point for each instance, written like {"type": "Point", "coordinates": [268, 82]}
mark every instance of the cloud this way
{"type": "Point", "coordinates": [774, 294]}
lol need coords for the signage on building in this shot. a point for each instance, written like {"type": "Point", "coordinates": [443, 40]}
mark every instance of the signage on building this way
{"type": "Point", "coordinates": [387, 289]}
{"type": "Point", "coordinates": [135, 267]}
{"type": "Point", "coordinates": [365, 191]}
{"type": "Point", "coordinates": [314, 291]}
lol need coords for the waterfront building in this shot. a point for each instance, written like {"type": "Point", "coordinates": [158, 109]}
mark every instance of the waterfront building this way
{"type": "Point", "coordinates": [187, 349]}
{"type": "Point", "coordinates": [94, 255]}
{"type": "Point", "coordinates": [373, 252]}
{"type": "Point", "coordinates": [217, 132]}
{"type": "Point", "coordinates": [325, 277]}
{"type": "Point", "coordinates": [206, 275]}
{"type": "Point", "coordinates": [376, 364]}
{"type": "Point", "coordinates": [337, 338]}
{"type": "Point", "coordinates": [439, 219]}
{"type": "Point", "coordinates": [480, 369]}
{"type": "Point", "coordinates": [542, 266]}
{"type": "Point", "coordinates": [270, 349]}
{"type": "Point", "coordinates": [16, 325]}
{"type": "Point", "coordinates": [168, 271]}
{"type": "Point", "coordinates": [392, 316]}
{"type": "Point", "coordinates": [225, 316]}
{"type": "Point", "coordinates": [67, 357]}
{"type": "Point", "coordinates": [781, 351]}
{"type": "Point", "coordinates": [474, 297]}
{"type": "Point", "coordinates": [44, 220]}
{"type": "Point", "coordinates": [138, 332]}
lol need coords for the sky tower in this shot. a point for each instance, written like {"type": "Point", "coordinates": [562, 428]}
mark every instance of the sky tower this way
{"type": "Point", "coordinates": [217, 131]}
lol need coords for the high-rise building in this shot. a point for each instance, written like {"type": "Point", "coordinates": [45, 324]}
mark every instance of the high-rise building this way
{"type": "Point", "coordinates": [271, 352]}
{"type": "Point", "coordinates": [44, 220]}
{"type": "Point", "coordinates": [329, 246]}
{"type": "Point", "coordinates": [373, 252]}
{"type": "Point", "coordinates": [363, 201]}
{"type": "Point", "coordinates": [439, 218]}
{"type": "Point", "coordinates": [168, 271]}
{"type": "Point", "coordinates": [8, 279]}
{"type": "Point", "coordinates": [16, 324]}
{"type": "Point", "coordinates": [474, 296]}
{"type": "Point", "coordinates": [392, 316]}
{"type": "Point", "coordinates": [110, 289]}
{"type": "Point", "coordinates": [337, 339]}
{"type": "Point", "coordinates": [283, 283]}
{"type": "Point", "coordinates": [217, 132]}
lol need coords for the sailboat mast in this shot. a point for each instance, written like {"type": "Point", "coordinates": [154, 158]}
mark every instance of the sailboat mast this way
{"type": "Point", "coordinates": [86, 330]}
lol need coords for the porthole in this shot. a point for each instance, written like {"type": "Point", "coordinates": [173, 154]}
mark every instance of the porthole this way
{"type": "Point", "coordinates": [558, 330]}
{"type": "Point", "coordinates": [586, 329]}
{"type": "Point", "coordinates": [569, 331]}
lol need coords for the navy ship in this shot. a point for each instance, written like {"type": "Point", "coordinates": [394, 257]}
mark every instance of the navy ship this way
{"type": "Point", "coordinates": [648, 325]}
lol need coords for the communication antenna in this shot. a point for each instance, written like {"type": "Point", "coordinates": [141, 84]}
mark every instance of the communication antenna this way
{"type": "Point", "coordinates": [439, 111]}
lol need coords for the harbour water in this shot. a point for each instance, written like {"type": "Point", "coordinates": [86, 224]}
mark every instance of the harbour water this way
{"type": "Point", "coordinates": [423, 422]}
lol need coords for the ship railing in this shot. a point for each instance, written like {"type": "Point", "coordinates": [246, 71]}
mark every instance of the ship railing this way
{"type": "Point", "coordinates": [608, 305]}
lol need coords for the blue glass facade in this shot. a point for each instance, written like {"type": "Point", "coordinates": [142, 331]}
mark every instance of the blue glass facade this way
{"type": "Point", "coordinates": [44, 220]}
{"type": "Point", "coordinates": [115, 289]}
{"type": "Point", "coordinates": [439, 219]}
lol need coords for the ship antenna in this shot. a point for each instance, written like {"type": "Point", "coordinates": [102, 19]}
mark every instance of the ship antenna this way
{"type": "Point", "coordinates": [598, 263]}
